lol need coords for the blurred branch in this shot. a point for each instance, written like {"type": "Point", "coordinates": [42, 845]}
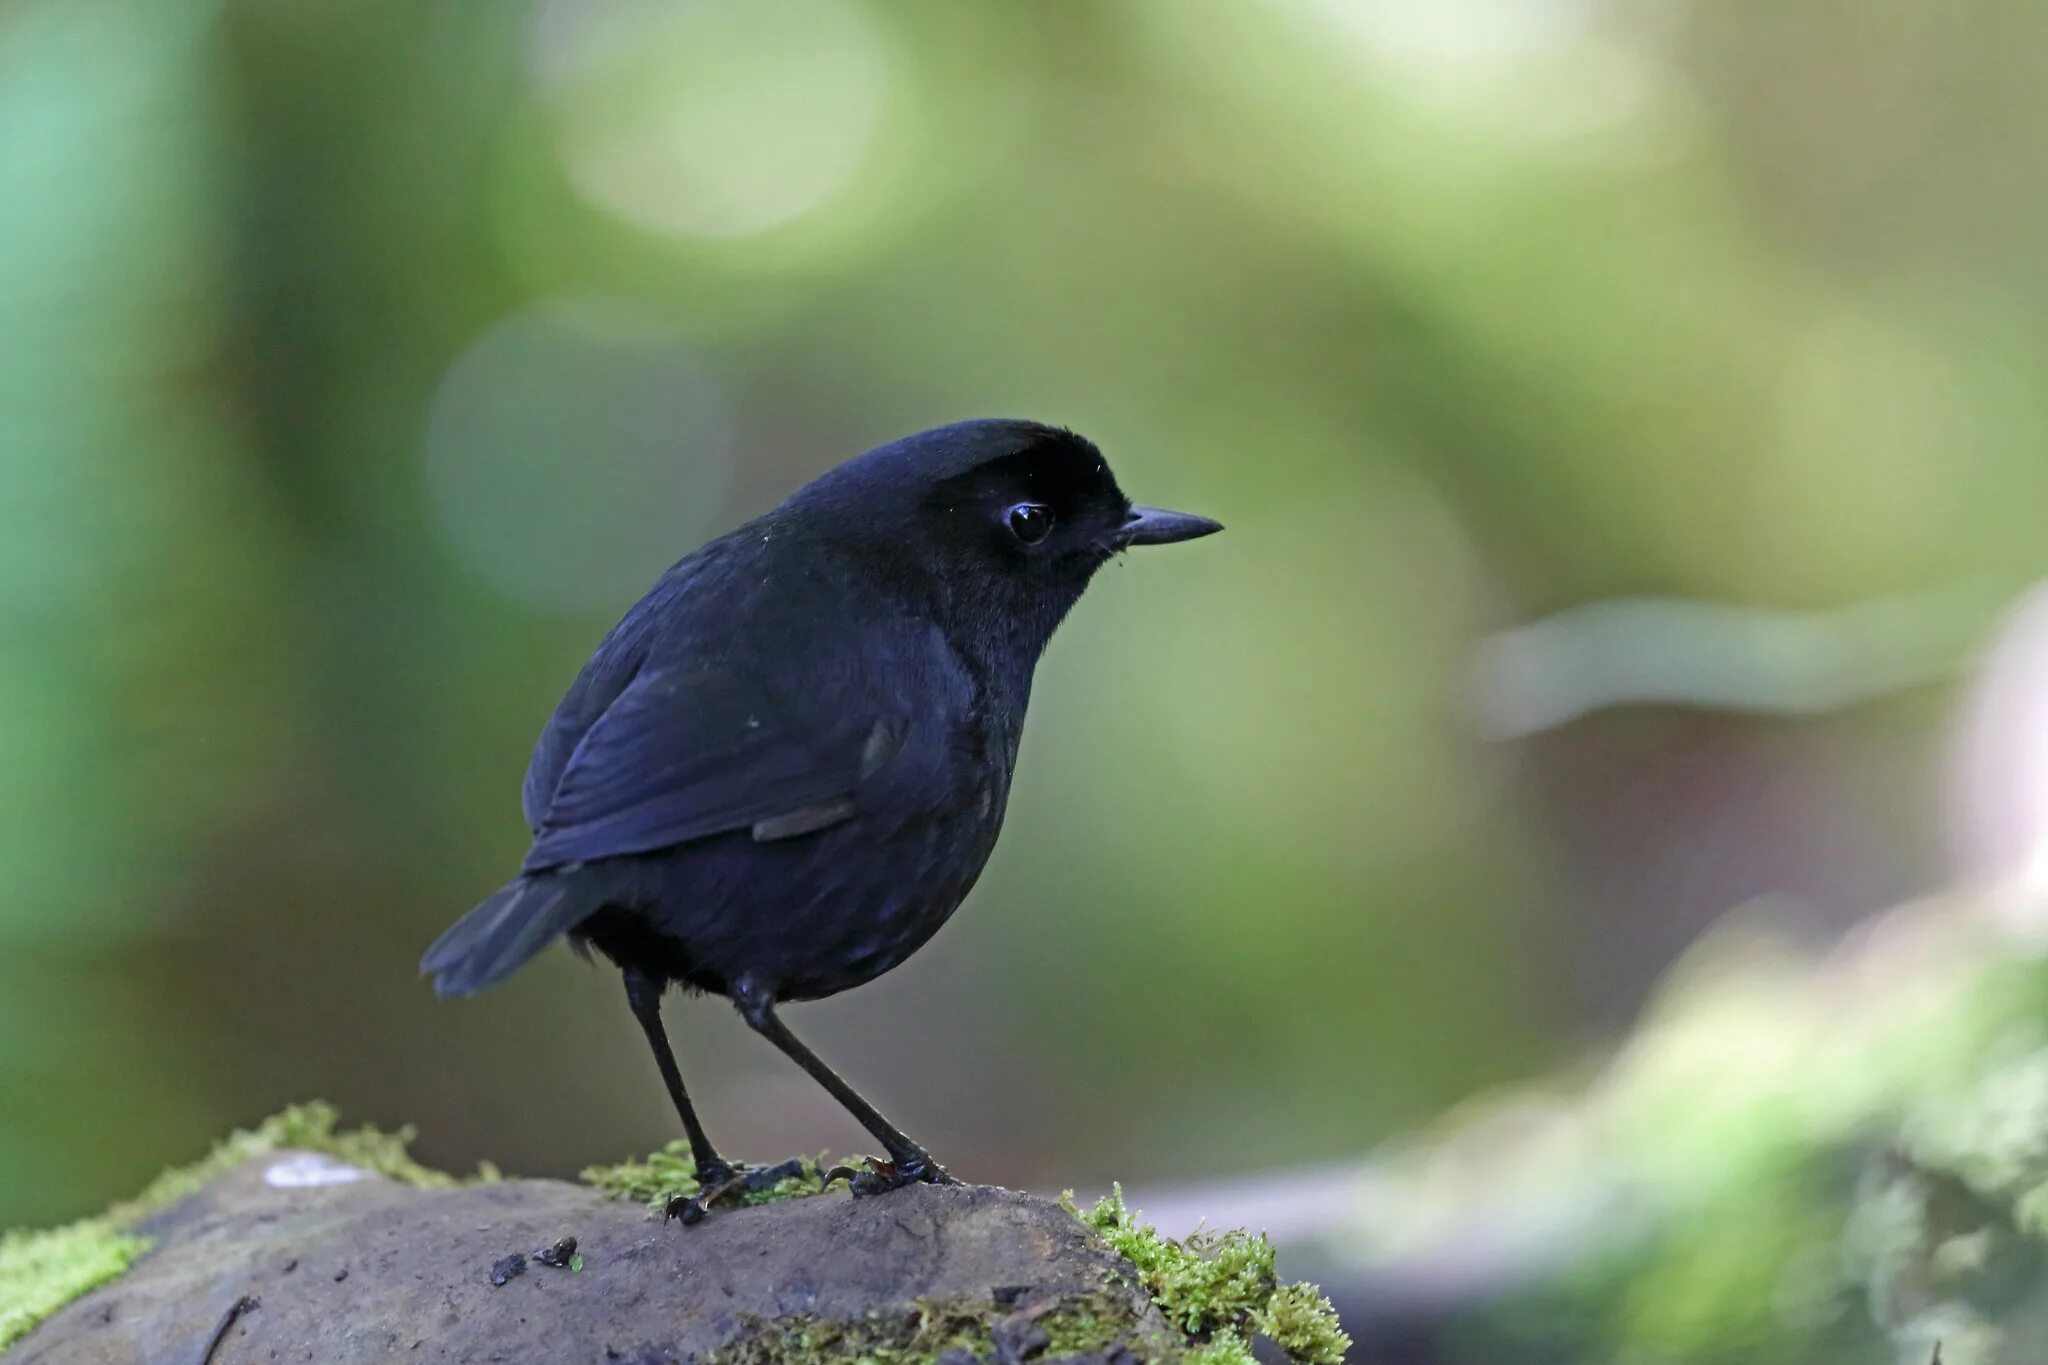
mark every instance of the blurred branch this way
{"type": "Point", "coordinates": [1676, 652]}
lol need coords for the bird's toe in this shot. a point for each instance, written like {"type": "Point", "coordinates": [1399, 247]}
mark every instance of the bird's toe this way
{"type": "Point", "coordinates": [725, 1183]}
{"type": "Point", "coordinates": [882, 1176]}
{"type": "Point", "coordinates": [760, 1179]}
{"type": "Point", "coordinates": [922, 1168]}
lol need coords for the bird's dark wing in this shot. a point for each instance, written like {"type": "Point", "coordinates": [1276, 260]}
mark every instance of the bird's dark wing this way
{"type": "Point", "coordinates": [593, 694]}
{"type": "Point", "coordinates": [618, 660]}
{"type": "Point", "coordinates": [689, 752]}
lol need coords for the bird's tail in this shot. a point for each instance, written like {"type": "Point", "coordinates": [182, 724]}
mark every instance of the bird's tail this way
{"type": "Point", "coordinates": [512, 924]}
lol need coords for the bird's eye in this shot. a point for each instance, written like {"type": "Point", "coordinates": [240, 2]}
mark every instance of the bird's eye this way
{"type": "Point", "coordinates": [1030, 522]}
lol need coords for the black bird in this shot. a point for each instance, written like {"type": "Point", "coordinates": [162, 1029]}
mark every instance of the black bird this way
{"type": "Point", "coordinates": [784, 769]}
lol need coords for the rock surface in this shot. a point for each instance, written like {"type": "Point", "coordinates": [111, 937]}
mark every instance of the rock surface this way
{"type": "Point", "coordinates": [348, 1267]}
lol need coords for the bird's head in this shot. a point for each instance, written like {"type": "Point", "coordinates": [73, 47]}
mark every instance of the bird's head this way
{"type": "Point", "coordinates": [994, 522]}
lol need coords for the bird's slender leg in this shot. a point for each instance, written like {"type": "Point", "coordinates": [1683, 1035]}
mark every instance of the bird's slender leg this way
{"type": "Point", "coordinates": [907, 1162]}
{"type": "Point", "coordinates": [715, 1175]}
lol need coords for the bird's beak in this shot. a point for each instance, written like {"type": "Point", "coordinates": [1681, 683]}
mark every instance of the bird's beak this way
{"type": "Point", "coordinates": [1157, 526]}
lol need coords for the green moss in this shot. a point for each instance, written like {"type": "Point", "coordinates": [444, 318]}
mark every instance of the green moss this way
{"type": "Point", "coordinates": [1228, 1348]}
{"type": "Point", "coordinates": [1220, 1289]}
{"type": "Point", "coordinates": [1302, 1323]}
{"type": "Point", "coordinates": [42, 1271]}
{"type": "Point", "coordinates": [652, 1181]}
{"type": "Point", "coordinates": [672, 1172]}
{"type": "Point", "coordinates": [1073, 1325]}
{"type": "Point", "coordinates": [312, 1127]}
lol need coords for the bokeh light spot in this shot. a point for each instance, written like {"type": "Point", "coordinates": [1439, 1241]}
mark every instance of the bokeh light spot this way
{"type": "Point", "coordinates": [715, 121]}
{"type": "Point", "coordinates": [1461, 34]}
{"type": "Point", "coordinates": [573, 451]}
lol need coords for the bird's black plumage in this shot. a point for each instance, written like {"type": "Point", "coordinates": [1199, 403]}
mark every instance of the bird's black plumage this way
{"type": "Point", "coordinates": [785, 767]}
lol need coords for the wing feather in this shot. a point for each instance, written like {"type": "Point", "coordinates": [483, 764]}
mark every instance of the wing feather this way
{"type": "Point", "coordinates": [683, 754]}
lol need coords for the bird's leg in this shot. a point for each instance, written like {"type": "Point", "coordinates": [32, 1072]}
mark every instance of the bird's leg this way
{"type": "Point", "coordinates": [715, 1176]}
{"type": "Point", "coordinates": [907, 1163]}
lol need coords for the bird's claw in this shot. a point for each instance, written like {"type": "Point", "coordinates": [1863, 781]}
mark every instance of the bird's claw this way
{"type": "Point", "coordinates": [723, 1183]}
{"type": "Point", "coordinates": [881, 1176]}
{"type": "Point", "coordinates": [688, 1208]}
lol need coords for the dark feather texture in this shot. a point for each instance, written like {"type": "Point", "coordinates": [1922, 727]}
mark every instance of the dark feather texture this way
{"type": "Point", "coordinates": [782, 771]}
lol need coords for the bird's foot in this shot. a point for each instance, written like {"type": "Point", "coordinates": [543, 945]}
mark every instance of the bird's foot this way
{"type": "Point", "coordinates": [883, 1176]}
{"type": "Point", "coordinates": [721, 1182]}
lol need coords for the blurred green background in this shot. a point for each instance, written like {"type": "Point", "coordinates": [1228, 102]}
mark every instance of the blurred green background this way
{"type": "Point", "coordinates": [1627, 413]}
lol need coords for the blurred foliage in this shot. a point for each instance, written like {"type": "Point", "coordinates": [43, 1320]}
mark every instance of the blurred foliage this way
{"type": "Point", "coordinates": [358, 362]}
{"type": "Point", "coordinates": [1855, 1170]}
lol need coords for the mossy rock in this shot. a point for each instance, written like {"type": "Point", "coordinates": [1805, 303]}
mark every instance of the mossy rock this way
{"type": "Point", "coordinates": [296, 1240]}
{"type": "Point", "coordinates": [348, 1266]}
{"type": "Point", "coordinates": [41, 1271]}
